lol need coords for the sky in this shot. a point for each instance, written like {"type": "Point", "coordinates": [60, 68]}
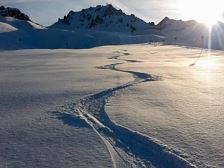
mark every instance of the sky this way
{"type": "Point", "coordinates": [47, 12]}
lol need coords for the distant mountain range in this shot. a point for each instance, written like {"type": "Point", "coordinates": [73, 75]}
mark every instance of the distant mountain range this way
{"type": "Point", "coordinates": [101, 25]}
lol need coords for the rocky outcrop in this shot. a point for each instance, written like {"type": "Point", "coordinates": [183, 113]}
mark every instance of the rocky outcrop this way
{"type": "Point", "coordinates": [13, 12]}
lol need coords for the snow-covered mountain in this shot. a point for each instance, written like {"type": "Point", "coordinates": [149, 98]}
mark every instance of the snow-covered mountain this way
{"type": "Point", "coordinates": [12, 19]}
{"type": "Point", "coordinates": [175, 25]}
{"type": "Point", "coordinates": [102, 18]}
{"type": "Point", "coordinates": [20, 33]}
{"type": "Point", "coordinates": [183, 32]}
{"type": "Point", "coordinates": [192, 33]}
{"type": "Point", "coordinates": [102, 25]}
{"type": "Point", "coordinates": [13, 12]}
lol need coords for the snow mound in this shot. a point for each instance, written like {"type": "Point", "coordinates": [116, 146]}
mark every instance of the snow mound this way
{"type": "Point", "coordinates": [45, 39]}
{"type": "Point", "coordinates": [20, 24]}
{"type": "Point", "coordinates": [6, 28]}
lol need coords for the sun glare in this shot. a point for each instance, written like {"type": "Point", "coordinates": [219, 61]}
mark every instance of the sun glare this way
{"type": "Point", "coordinates": [205, 11]}
{"type": "Point", "coordinates": [207, 63]}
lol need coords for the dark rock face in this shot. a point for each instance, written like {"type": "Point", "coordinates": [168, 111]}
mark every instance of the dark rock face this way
{"type": "Point", "coordinates": [100, 15]}
{"type": "Point", "coordinates": [162, 24]}
{"type": "Point", "coordinates": [103, 11]}
{"type": "Point", "coordinates": [110, 11]}
{"type": "Point", "coordinates": [13, 12]}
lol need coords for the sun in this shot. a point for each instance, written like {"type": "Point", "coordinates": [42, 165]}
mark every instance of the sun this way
{"type": "Point", "coordinates": [208, 12]}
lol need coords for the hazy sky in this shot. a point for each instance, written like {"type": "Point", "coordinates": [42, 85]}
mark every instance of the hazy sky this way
{"type": "Point", "coordinates": [47, 12]}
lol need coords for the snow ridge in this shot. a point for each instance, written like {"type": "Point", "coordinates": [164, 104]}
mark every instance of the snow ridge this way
{"type": "Point", "coordinates": [128, 148]}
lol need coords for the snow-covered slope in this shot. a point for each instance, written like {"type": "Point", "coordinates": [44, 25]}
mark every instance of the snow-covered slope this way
{"type": "Point", "coordinates": [4, 27]}
{"type": "Point", "coordinates": [184, 32]}
{"type": "Point", "coordinates": [133, 106]}
{"type": "Point", "coordinates": [104, 18]}
{"type": "Point", "coordinates": [18, 24]}
{"type": "Point", "coordinates": [12, 19]}
{"type": "Point", "coordinates": [16, 34]}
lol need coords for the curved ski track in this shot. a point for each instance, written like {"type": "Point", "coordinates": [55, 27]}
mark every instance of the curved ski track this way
{"type": "Point", "coordinates": [127, 148]}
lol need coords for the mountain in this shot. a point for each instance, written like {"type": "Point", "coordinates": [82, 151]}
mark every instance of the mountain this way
{"type": "Point", "coordinates": [192, 33]}
{"type": "Point", "coordinates": [175, 25]}
{"type": "Point", "coordinates": [95, 20]}
{"type": "Point", "coordinates": [16, 33]}
{"type": "Point", "coordinates": [102, 25]}
{"type": "Point", "coordinates": [102, 18]}
{"type": "Point", "coordinates": [12, 19]}
{"type": "Point", "coordinates": [184, 32]}
{"type": "Point", "coordinates": [13, 12]}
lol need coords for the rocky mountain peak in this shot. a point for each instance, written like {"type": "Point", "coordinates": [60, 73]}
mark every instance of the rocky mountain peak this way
{"type": "Point", "coordinates": [13, 12]}
{"type": "Point", "coordinates": [103, 18]}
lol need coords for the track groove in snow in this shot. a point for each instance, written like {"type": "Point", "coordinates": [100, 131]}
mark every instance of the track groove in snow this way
{"type": "Point", "coordinates": [126, 147]}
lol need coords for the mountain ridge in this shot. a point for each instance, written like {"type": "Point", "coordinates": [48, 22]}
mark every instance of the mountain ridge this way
{"type": "Point", "coordinates": [13, 12]}
{"type": "Point", "coordinates": [102, 25]}
{"type": "Point", "coordinates": [106, 18]}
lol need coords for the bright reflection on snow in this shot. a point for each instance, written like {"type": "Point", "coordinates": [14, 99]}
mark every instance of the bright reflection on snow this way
{"type": "Point", "coordinates": [208, 63]}
{"type": "Point", "coordinates": [206, 68]}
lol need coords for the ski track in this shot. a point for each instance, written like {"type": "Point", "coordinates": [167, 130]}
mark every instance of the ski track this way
{"type": "Point", "coordinates": [127, 148]}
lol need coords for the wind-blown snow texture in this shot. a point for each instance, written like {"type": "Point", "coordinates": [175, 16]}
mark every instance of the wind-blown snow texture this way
{"type": "Point", "coordinates": [102, 25]}
{"type": "Point", "coordinates": [124, 106]}
{"type": "Point", "coordinates": [127, 106]}
{"type": "Point", "coordinates": [128, 148]}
